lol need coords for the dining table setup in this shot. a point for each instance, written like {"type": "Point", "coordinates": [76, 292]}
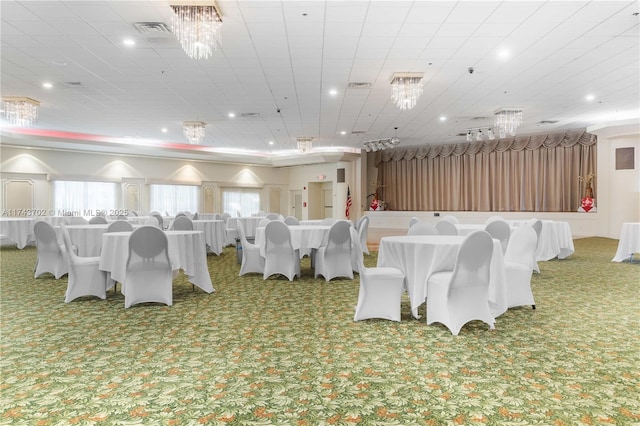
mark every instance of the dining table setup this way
{"type": "Point", "coordinates": [214, 232]}
{"type": "Point", "coordinates": [629, 242]}
{"type": "Point", "coordinates": [186, 250]}
{"type": "Point", "coordinates": [302, 237]}
{"type": "Point", "coordinates": [249, 223]}
{"type": "Point", "coordinates": [419, 256]}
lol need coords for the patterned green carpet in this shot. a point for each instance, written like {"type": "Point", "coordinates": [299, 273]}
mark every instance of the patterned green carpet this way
{"type": "Point", "coordinates": [275, 352]}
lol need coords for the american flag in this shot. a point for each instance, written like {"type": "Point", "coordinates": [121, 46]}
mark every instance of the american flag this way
{"type": "Point", "coordinates": [348, 202]}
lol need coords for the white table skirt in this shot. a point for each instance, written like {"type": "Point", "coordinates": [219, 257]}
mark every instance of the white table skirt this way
{"type": "Point", "coordinates": [18, 229]}
{"type": "Point", "coordinates": [555, 239]}
{"type": "Point", "coordinates": [214, 233]}
{"type": "Point", "coordinates": [186, 251]}
{"type": "Point", "coordinates": [207, 216]}
{"type": "Point", "coordinates": [316, 222]}
{"type": "Point", "coordinates": [302, 237]}
{"type": "Point", "coordinates": [419, 256]}
{"type": "Point", "coordinates": [249, 224]}
{"type": "Point", "coordinates": [629, 241]}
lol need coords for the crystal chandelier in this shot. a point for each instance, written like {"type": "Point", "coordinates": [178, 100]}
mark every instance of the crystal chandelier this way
{"type": "Point", "coordinates": [197, 26]}
{"type": "Point", "coordinates": [381, 144]}
{"type": "Point", "coordinates": [304, 145]}
{"type": "Point", "coordinates": [194, 131]}
{"type": "Point", "coordinates": [507, 121]}
{"type": "Point", "coordinates": [406, 88]}
{"type": "Point", "coordinates": [20, 111]}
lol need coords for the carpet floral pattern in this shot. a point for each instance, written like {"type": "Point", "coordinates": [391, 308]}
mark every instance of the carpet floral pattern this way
{"type": "Point", "coordinates": [289, 353]}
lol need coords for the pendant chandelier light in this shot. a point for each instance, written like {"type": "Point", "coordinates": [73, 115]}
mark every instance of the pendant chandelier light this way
{"type": "Point", "coordinates": [406, 88]}
{"type": "Point", "coordinates": [196, 25]}
{"type": "Point", "coordinates": [304, 144]}
{"type": "Point", "coordinates": [507, 121]}
{"type": "Point", "coordinates": [194, 131]}
{"type": "Point", "coordinates": [20, 111]}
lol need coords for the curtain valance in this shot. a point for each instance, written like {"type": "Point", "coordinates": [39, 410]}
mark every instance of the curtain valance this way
{"type": "Point", "coordinates": [564, 139]}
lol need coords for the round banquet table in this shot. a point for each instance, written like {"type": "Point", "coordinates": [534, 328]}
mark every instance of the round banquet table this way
{"type": "Point", "coordinates": [248, 223]}
{"type": "Point", "coordinates": [187, 251]}
{"type": "Point", "coordinates": [17, 229]}
{"type": "Point", "coordinates": [629, 241]}
{"type": "Point", "coordinates": [214, 233]}
{"type": "Point", "coordinates": [302, 237]}
{"type": "Point", "coordinates": [419, 256]}
{"type": "Point", "coordinates": [555, 239]}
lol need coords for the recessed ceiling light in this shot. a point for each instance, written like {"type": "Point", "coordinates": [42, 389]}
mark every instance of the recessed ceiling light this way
{"type": "Point", "coordinates": [590, 97]}
{"type": "Point", "coordinates": [231, 115]}
{"type": "Point", "coordinates": [503, 54]}
{"type": "Point", "coordinates": [343, 132]}
{"type": "Point", "coordinates": [333, 92]}
{"type": "Point", "coordinates": [128, 42]}
{"type": "Point", "coordinates": [271, 142]}
{"type": "Point", "coordinates": [164, 130]}
{"type": "Point", "coordinates": [443, 118]}
{"type": "Point", "coordinates": [47, 85]}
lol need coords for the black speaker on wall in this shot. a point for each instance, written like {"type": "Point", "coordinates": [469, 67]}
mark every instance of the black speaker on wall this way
{"type": "Point", "coordinates": [340, 178]}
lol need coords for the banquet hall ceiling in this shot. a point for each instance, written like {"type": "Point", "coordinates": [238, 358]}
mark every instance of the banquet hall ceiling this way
{"type": "Point", "coordinates": [279, 60]}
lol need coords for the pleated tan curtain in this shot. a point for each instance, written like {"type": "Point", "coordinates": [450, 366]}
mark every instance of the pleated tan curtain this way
{"type": "Point", "coordinates": [531, 173]}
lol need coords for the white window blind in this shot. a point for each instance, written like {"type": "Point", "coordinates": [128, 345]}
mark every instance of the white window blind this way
{"type": "Point", "coordinates": [83, 198]}
{"type": "Point", "coordinates": [172, 199]}
{"type": "Point", "coordinates": [245, 201]}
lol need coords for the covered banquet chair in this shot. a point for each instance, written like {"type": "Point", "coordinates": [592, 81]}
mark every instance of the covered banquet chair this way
{"type": "Point", "coordinates": [272, 216]}
{"type": "Point", "coordinates": [446, 227]}
{"type": "Point", "coordinates": [182, 223]}
{"type": "Point", "coordinates": [98, 220]}
{"type": "Point", "coordinates": [291, 221]}
{"type": "Point", "coordinates": [518, 263]}
{"type": "Point", "coordinates": [52, 257]}
{"type": "Point", "coordinates": [148, 271]}
{"type": "Point", "coordinates": [230, 233]}
{"type": "Point", "coordinates": [450, 218]}
{"type": "Point", "coordinates": [251, 259]}
{"type": "Point", "coordinates": [280, 257]}
{"type": "Point", "coordinates": [413, 221]}
{"type": "Point", "coordinates": [85, 278]}
{"type": "Point", "coordinates": [456, 297]}
{"type": "Point", "coordinates": [159, 219]}
{"type": "Point", "coordinates": [380, 292]}
{"type": "Point", "coordinates": [120, 226]}
{"type": "Point", "coordinates": [363, 229]}
{"type": "Point", "coordinates": [334, 259]}
{"type": "Point", "coordinates": [536, 224]}
{"type": "Point", "coordinates": [500, 230]}
{"type": "Point", "coordinates": [77, 220]}
{"type": "Point", "coordinates": [423, 228]}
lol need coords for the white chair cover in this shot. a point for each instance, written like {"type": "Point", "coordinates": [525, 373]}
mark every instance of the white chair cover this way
{"type": "Point", "coordinates": [446, 227]}
{"type": "Point", "coordinates": [52, 257]}
{"type": "Point", "coordinates": [77, 220]}
{"type": "Point", "coordinates": [85, 278]}
{"type": "Point", "coordinates": [149, 276]}
{"type": "Point", "coordinates": [251, 259]}
{"type": "Point", "coordinates": [536, 224]}
{"type": "Point", "coordinates": [230, 233]}
{"type": "Point", "coordinates": [380, 293]}
{"type": "Point", "coordinates": [120, 226]}
{"type": "Point", "coordinates": [291, 221]}
{"type": "Point", "coordinates": [456, 297]}
{"type": "Point", "coordinates": [182, 223]}
{"type": "Point", "coordinates": [272, 216]}
{"type": "Point", "coordinates": [500, 230]}
{"type": "Point", "coordinates": [362, 234]}
{"type": "Point", "coordinates": [493, 218]}
{"type": "Point", "coordinates": [263, 222]}
{"type": "Point", "coordinates": [450, 218]}
{"type": "Point", "coordinates": [423, 228]}
{"type": "Point", "coordinates": [159, 219]}
{"type": "Point", "coordinates": [413, 221]}
{"type": "Point", "coordinates": [98, 220]}
{"type": "Point", "coordinates": [518, 261]}
{"type": "Point", "coordinates": [334, 259]}
{"type": "Point", "coordinates": [280, 257]}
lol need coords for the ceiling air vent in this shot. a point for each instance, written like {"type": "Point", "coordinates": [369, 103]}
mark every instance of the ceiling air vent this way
{"type": "Point", "coordinates": [359, 85]}
{"type": "Point", "coordinates": [250, 115]}
{"type": "Point", "coordinates": [73, 85]}
{"type": "Point", "coordinates": [152, 28]}
{"type": "Point", "coordinates": [358, 132]}
{"type": "Point", "coordinates": [548, 122]}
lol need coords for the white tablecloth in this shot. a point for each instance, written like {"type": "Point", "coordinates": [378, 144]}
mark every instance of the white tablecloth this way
{"type": "Point", "coordinates": [186, 251]}
{"type": "Point", "coordinates": [207, 216]}
{"type": "Point", "coordinates": [302, 237]}
{"type": "Point", "coordinates": [87, 238]}
{"type": "Point", "coordinates": [629, 241]}
{"type": "Point", "coordinates": [555, 239]}
{"type": "Point", "coordinates": [419, 256]}
{"type": "Point", "coordinates": [249, 223]}
{"type": "Point", "coordinates": [316, 222]}
{"type": "Point", "coordinates": [17, 229]}
{"type": "Point", "coordinates": [214, 233]}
